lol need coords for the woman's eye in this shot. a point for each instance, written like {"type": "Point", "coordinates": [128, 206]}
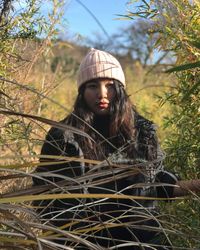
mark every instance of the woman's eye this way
{"type": "Point", "coordinates": [110, 85]}
{"type": "Point", "coordinates": [91, 85]}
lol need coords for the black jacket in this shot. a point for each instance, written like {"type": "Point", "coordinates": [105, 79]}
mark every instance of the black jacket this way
{"type": "Point", "coordinates": [115, 220]}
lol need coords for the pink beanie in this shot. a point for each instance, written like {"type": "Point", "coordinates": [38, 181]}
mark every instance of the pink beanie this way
{"type": "Point", "coordinates": [99, 64]}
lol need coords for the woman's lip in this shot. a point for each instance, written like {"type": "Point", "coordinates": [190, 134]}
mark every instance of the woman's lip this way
{"type": "Point", "coordinates": [103, 102]}
{"type": "Point", "coordinates": [103, 105]}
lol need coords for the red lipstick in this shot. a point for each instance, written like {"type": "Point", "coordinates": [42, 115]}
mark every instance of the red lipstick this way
{"type": "Point", "coordinates": [103, 105]}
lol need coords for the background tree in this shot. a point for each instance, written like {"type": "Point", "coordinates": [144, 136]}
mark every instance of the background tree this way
{"type": "Point", "coordinates": [138, 41]}
{"type": "Point", "coordinates": [135, 41]}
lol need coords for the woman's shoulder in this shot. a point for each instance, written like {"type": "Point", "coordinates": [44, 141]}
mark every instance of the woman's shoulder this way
{"type": "Point", "coordinates": [55, 132]}
{"type": "Point", "coordinates": [144, 125]}
{"type": "Point", "coordinates": [59, 134]}
{"type": "Point", "coordinates": [60, 140]}
{"type": "Point", "coordinates": [147, 140]}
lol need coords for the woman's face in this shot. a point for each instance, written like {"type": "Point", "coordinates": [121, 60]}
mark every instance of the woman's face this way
{"type": "Point", "coordinates": [98, 95]}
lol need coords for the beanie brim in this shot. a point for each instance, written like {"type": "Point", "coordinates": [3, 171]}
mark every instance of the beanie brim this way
{"type": "Point", "coordinates": [99, 64]}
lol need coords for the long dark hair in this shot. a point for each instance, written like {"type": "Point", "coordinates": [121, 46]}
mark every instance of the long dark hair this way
{"type": "Point", "coordinates": [121, 127]}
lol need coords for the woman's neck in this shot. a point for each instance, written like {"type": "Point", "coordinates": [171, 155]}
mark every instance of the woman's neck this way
{"type": "Point", "coordinates": [102, 124]}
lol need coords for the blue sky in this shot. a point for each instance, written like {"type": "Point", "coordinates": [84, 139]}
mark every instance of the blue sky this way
{"type": "Point", "coordinates": [77, 20]}
{"type": "Point", "coordinates": [81, 22]}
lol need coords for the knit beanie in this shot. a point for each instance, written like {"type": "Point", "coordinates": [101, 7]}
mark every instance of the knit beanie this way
{"type": "Point", "coordinates": [99, 64]}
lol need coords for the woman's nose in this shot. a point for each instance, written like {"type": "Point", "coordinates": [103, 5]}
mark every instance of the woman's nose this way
{"type": "Point", "coordinates": [103, 92]}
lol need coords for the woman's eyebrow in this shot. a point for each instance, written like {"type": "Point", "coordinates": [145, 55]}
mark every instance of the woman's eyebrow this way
{"type": "Point", "coordinates": [92, 82]}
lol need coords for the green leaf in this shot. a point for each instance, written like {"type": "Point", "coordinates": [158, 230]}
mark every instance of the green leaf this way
{"type": "Point", "coordinates": [184, 67]}
{"type": "Point", "coordinates": [195, 44]}
{"type": "Point", "coordinates": [193, 88]}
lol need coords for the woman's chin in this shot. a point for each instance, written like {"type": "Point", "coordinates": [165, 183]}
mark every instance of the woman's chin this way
{"type": "Point", "coordinates": [101, 112]}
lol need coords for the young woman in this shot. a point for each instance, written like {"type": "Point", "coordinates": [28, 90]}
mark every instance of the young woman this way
{"type": "Point", "coordinates": [131, 164]}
